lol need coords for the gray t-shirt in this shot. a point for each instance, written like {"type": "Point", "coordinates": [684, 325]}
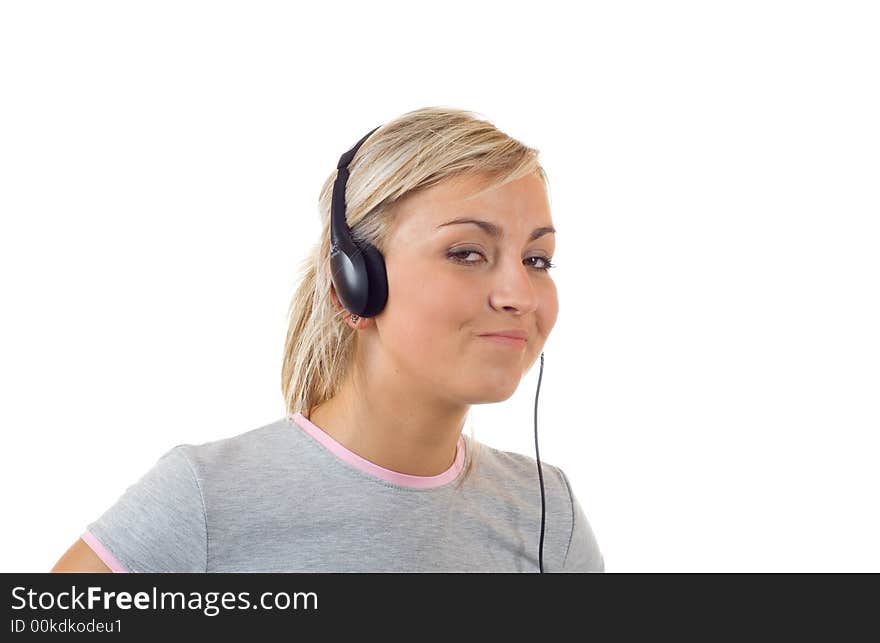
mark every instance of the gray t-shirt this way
{"type": "Point", "coordinates": [287, 497]}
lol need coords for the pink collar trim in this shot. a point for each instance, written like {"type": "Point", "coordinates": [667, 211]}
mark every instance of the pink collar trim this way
{"type": "Point", "coordinates": [353, 459]}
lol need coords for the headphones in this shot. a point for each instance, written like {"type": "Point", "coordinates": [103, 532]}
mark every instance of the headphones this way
{"type": "Point", "coordinates": [357, 271]}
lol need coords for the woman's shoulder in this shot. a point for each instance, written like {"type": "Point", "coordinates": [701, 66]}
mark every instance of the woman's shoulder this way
{"type": "Point", "coordinates": [253, 447]}
{"type": "Point", "coordinates": [514, 467]}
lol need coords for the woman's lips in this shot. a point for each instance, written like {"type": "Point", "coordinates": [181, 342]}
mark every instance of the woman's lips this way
{"type": "Point", "coordinates": [500, 340]}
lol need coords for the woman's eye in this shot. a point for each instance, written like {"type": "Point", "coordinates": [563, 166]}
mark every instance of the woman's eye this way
{"type": "Point", "coordinates": [545, 263]}
{"type": "Point", "coordinates": [465, 253]}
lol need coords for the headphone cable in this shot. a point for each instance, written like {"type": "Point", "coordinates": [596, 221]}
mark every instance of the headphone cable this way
{"type": "Point", "coordinates": [540, 474]}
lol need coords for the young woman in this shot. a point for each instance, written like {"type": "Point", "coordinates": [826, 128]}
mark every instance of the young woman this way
{"type": "Point", "coordinates": [369, 470]}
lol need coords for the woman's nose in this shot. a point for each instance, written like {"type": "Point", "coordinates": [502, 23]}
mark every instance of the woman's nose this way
{"type": "Point", "coordinates": [514, 287]}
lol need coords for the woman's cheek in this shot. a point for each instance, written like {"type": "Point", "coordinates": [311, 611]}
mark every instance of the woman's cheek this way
{"type": "Point", "coordinates": [549, 310]}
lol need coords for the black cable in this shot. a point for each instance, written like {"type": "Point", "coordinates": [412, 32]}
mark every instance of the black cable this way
{"type": "Point", "coordinates": [540, 474]}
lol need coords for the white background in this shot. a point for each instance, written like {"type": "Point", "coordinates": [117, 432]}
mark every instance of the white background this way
{"type": "Point", "coordinates": [711, 386]}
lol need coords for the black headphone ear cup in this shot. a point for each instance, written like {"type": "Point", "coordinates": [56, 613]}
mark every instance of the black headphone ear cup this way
{"type": "Point", "coordinates": [343, 276]}
{"type": "Point", "coordinates": [378, 280]}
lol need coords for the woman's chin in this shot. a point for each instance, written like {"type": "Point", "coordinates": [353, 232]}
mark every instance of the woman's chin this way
{"type": "Point", "coordinates": [499, 392]}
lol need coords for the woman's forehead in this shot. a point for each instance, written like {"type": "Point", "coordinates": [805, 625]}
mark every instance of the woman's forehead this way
{"type": "Point", "coordinates": [522, 202]}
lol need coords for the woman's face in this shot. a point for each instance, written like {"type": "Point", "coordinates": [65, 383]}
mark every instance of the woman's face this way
{"type": "Point", "coordinates": [449, 283]}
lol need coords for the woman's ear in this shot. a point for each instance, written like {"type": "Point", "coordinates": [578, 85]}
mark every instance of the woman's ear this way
{"type": "Point", "coordinates": [361, 321]}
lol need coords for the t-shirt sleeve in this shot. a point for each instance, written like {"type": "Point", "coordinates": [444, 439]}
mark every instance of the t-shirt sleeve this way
{"type": "Point", "coordinates": [583, 551]}
{"type": "Point", "coordinates": [158, 524]}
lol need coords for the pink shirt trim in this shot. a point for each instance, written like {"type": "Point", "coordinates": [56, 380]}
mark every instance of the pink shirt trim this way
{"type": "Point", "coordinates": [353, 459]}
{"type": "Point", "coordinates": [102, 552]}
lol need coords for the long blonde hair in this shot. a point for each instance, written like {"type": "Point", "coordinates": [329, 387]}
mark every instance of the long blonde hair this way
{"type": "Point", "coordinates": [413, 152]}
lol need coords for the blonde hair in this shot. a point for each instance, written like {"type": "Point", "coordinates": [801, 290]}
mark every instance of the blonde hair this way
{"type": "Point", "coordinates": [413, 152]}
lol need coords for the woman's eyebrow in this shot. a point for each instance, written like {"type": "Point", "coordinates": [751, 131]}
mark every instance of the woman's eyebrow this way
{"type": "Point", "coordinates": [495, 231]}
